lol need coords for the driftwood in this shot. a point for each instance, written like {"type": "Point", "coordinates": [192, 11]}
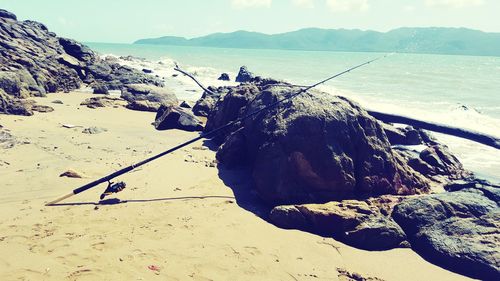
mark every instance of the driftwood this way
{"type": "Point", "coordinates": [438, 128]}
{"type": "Point", "coordinates": [177, 68]}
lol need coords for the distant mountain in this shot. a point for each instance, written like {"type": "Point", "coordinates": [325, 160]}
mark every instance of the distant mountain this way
{"type": "Point", "coordinates": [433, 40]}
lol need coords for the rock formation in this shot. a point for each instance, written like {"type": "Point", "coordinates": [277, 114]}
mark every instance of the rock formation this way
{"type": "Point", "coordinates": [314, 148]}
{"type": "Point", "coordinates": [34, 61]}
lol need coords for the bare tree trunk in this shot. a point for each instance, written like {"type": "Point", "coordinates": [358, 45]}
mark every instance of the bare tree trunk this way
{"type": "Point", "coordinates": [438, 128]}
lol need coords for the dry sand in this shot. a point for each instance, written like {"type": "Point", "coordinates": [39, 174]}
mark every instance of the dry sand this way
{"type": "Point", "coordinates": [178, 219]}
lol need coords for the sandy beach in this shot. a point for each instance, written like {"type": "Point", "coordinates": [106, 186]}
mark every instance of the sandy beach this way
{"type": "Point", "coordinates": [178, 218]}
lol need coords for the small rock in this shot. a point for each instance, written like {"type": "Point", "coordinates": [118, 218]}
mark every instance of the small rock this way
{"type": "Point", "coordinates": [57, 102]}
{"type": "Point", "coordinates": [145, 70]}
{"type": "Point", "coordinates": [94, 130]}
{"type": "Point", "coordinates": [185, 104]}
{"type": "Point", "coordinates": [224, 77]}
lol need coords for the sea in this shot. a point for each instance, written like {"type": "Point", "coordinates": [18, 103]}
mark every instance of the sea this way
{"type": "Point", "coordinates": [461, 91]}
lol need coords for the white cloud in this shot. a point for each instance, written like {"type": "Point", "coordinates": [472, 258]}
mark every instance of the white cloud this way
{"type": "Point", "coordinates": [309, 4]}
{"type": "Point", "coordinates": [453, 3]}
{"type": "Point", "coordinates": [241, 4]}
{"type": "Point", "coordinates": [347, 5]}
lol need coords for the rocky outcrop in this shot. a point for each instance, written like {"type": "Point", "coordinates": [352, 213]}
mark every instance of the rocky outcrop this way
{"type": "Point", "coordinates": [244, 75]}
{"type": "Point", "coordinates": [354, 222]}
{"type": "Point", "coordinates": [34, 61]}
{"type": "Point", "coordinates": [148, 97]}
{"type": "Point", "coordinates": [206, 103]}
{"type": "Point", "coordinates": [175, 117]}
{"type": "Point", "coordinates": [314, 148]}
{"type": "Point", "coordinates": [458, 230]}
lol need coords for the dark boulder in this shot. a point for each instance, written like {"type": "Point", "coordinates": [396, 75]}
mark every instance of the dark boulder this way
{"type": "Point", "coordinates": [206, 103]}
{"type": "Point", "coordinates": [145, 70]}
{"type": "Point", "coordinates": [353, 222]}
{"type": "Point", "coordinates": [224, 77]}
{"type": "Point", "coordinates": [244, 75]}
{"type": "Point", "coordinates": [100, 88]}
{"type": "Point", "coordinates": [78, 50]}
{"type": "Point", "coordinates": [457, 230]}
{"type": "Point", "coordinates": [148, 97]}
{"type": "Point", "coordinates": [314, 148]}
{"type": "Point", "coordinates": [174, 117]}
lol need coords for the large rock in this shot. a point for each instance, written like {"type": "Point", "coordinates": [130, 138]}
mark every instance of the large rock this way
{"type": "Point", "coordinates": [244, 75]}
{"type": "Point", "coordinates": [353, 222]}
{"type": "Point", "coordinates": [313, 148]}
{"type": "Point", "coordinates": [148, 97]}
{"type": "Point", "coordinates": [457, 230]}
{"type": "Point", "coordinates": [175, 117]}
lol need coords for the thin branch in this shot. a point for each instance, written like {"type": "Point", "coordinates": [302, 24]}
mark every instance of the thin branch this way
{"type": "Point", "coordinates": [177, 68]}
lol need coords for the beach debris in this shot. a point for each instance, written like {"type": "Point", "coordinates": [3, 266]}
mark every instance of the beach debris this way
{"type": "Point", "coordinates": [94, 130]}
{"type": "Point", "coordinates": [224, 77]}
{"type": "Point", "coordinates": [154, 268]}
{"type": "Point", "coordinates": [70, 173]}
{"type": "Point", "coordinates": [244, 75]}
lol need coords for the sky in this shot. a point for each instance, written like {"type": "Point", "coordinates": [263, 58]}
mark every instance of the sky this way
{"type": "Point", "coordinates": [124, 21]}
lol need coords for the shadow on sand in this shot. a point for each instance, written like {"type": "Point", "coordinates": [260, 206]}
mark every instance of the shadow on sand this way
{"type": "Point", "coordinates": [115, 201]}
